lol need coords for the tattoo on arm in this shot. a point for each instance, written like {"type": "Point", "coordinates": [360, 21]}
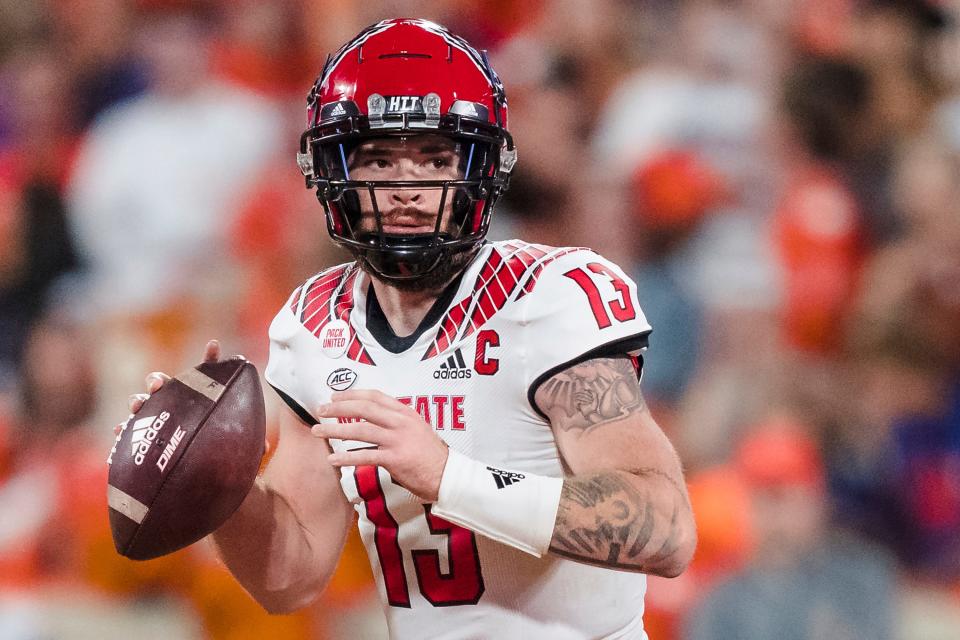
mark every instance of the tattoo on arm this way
{"type": "Point", "coordinates": [591, 394]}
{"type": "Point", "coordinates": [606, 519]}
{"type": "Point", "coordinates": [650, 471]}
{"type": "Point", "coordinates": [636, 519]}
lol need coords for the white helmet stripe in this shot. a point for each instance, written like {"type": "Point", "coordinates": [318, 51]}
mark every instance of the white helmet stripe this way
{"type": "Point", "coordinates": [453, 40]}
{"type": "Point", "coordinates": [361, 38]}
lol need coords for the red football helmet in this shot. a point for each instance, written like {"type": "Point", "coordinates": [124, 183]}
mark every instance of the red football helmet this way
{"type": "Point", "coordinates": [403, 78]}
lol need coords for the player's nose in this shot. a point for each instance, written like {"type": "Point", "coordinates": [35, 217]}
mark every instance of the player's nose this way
{"type": "Point", "coordinates": [406, 197]}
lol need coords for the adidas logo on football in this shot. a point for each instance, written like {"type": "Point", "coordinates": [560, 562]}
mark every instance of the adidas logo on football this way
{"type": "Point", "coordinates": [505, 478]}
{"type": "Point", "coordinates": [143, 434]}
{"type": "Point", "coordinates": [454, 367]}
{"type": "Point", "coordinates": [139, 432]}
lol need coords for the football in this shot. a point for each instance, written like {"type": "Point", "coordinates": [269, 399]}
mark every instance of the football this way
{"type": "Point", "coordinates": [183, 464]}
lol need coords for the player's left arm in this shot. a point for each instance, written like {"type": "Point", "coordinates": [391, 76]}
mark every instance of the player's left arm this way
{"type": "Point", "coordinates": [624, 503]}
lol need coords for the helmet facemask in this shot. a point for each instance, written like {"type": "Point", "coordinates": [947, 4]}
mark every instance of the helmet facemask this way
{"type": "Point", "coordinates": [364, 201]}
{"type": "Point", "coordinates": [402, 82]}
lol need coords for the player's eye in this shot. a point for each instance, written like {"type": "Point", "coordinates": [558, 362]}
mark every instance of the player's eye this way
{"type": "Point", "coordinates": [439, 162]}
{"type": "Point", "coordinates": [378, 163]}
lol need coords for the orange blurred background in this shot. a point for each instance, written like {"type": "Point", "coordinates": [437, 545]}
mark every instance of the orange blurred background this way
{"type": "Point", "coordinates": [782, 180]}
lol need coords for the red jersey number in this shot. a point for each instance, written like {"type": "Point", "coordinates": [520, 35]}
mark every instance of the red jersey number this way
{"type": "Point", "coordinates": [621, 307]}
{"type": "Point", "coordinates": [462, 584]}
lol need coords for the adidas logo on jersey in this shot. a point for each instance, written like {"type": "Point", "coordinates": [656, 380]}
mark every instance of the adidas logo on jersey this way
{"type": "Point", "coordinates": [505, 478]}
{"type": "Point", "coordinates": [454, 367]}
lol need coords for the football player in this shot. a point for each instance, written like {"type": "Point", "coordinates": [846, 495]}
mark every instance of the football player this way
{"type": "Point", "coordinates": [476, 404]}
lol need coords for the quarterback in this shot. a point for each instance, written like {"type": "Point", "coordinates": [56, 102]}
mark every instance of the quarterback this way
{"type": "Point", "coordinates": [476, 404]}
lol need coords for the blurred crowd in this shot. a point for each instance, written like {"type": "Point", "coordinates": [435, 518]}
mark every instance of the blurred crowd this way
{"type": "Point", "coordinates": [781, 178]}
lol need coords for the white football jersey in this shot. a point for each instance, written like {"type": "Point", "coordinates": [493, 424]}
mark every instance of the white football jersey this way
{"type": "Point", "coordinates": [519, 314]}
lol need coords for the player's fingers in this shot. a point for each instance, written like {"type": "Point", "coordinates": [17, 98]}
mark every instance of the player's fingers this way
{"type": "Point", "coordinates": [357, 457]}
{"type": "Point", "coordinates": [362, 431]}
{"type": "Point", "coordinates": [375, 396]}
{"type": "Point", "coordinates": [136, 400]}
{"type": "Point", "coordinates": [370, 395]}
{"type": "Point", "coordinates": [365, 409]}
{"type": "Point", "coordinates": [212, 351]}
{"type": "Point", "coordinates": [155, 380]}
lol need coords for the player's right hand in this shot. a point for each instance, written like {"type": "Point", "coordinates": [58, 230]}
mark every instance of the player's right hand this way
{"type": "Point", "coordinates": [156, 379]}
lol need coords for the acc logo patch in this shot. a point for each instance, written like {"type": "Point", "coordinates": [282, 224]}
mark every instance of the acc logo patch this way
{"type": "Point", "coordinates": [341, 379]}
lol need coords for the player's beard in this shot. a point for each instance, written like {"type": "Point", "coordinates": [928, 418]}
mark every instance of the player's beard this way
{"type": "Point", "coordinates": [448, 268]}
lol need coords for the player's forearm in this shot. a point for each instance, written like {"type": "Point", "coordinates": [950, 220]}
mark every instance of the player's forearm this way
{"type": "Point", "coordinates": [637, 521]}
{"type": "Point", "coordinates": [272, 555]}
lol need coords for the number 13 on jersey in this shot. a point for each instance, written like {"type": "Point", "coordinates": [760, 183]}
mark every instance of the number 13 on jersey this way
{"type": "Point", "coordinates": [620, 306]}
{"type": "Point", "coordinates": [461, 584]}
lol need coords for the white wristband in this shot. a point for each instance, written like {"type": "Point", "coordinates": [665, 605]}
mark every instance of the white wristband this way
{"type": "Point", "coordinates": [518, 509]}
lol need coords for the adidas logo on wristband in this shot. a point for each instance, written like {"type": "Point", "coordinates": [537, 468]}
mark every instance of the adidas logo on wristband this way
{"type": "Point", "coordinates": [505, 478]}
{"type": "Point", "coordinates": [522, 517]}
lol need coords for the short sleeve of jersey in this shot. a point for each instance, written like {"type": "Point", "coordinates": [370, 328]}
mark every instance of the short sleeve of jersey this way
{"type": "Point", "coordinates": [282, 373]}
{"type": "Point", "coordinates": [582, 306]}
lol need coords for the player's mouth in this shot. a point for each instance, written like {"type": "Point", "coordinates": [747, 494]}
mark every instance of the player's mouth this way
{"type": "Point", "coordinates": [406, 223]}
{"type": "Point", "coordinates": [401, 229]}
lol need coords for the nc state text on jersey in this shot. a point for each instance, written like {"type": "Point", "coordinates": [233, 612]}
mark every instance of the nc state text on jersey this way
{"type": "Point", "coordinates": [442, 412]}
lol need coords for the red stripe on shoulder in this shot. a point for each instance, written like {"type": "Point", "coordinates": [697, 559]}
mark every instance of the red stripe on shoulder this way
{"type": "Point", "coordinates": [453, 320]}
{"type": "Point", "coordinates": [356, 351]}
{"type": "Point", "coordinates": [344, 303]}
{"type": "Point", "coordinates": [295, 299]}
{"type": "Point", "coordinates": [531, 280]}
{"type": "Point", "coordinates": [317, 298]}
{"type": "Point", "coordinates": [494, 285]}
{"type": "Point", "coordinates": [341, 309]}
{"type": "Point", "coordinates": [330, 296]}
{"type": "Point", "coordinates": [497, 290]}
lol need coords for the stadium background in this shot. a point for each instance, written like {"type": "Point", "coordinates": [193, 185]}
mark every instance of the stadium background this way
{"type": "Point", "coordinates": [781, 178]}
